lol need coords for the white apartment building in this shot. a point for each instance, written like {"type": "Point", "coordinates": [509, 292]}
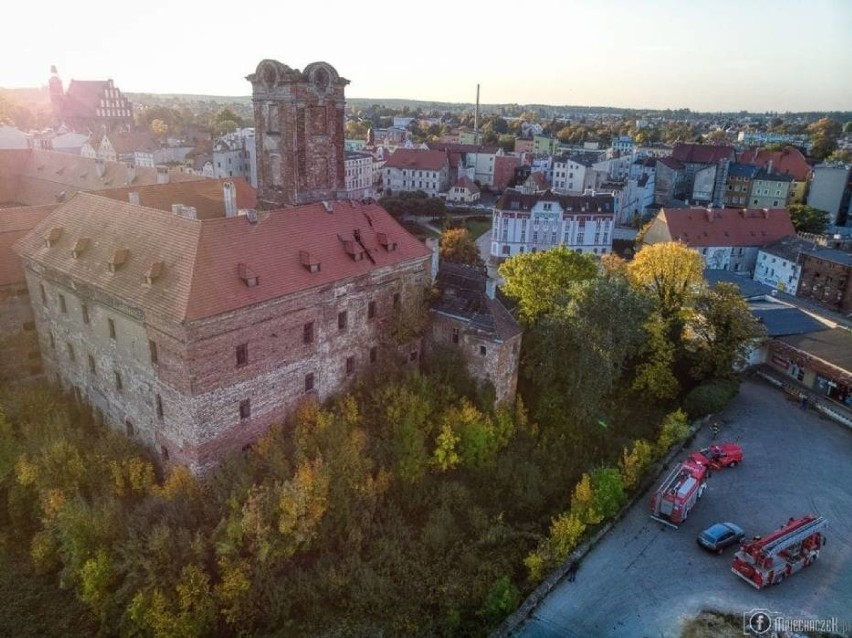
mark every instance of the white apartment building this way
{"type": "Point", "coordinates": [359, 175]}
{"type": "Point", "coordinates": [524, 223]}
{"type": "Point", "coordinates": [411, 170]}
{"type": "Point", "coordinates": [574, 173]}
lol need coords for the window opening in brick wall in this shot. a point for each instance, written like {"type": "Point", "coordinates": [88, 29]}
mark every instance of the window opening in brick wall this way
{"type": "Point", "coordinates": [158, 401]}
{"type": "Point", "coordinates": [71, 354]}
{"type": "Point", "coordinates": [111, 327]}
{"type": "Point", "coordinates": [152, 351]}
{"type": "Point", "coordinates": [309, 382]}
{"type": "Point", "coordinates": [374, 354]}
{"type": "Point", "coordinates": [242, 355]}
{"type": "Point", "coordinates": [341, 320]}
{"type": "Point", "coordinates": [129, 427]}
{"type": "Point", "coordinates": [308, 332]}
{"type": "Point", "coordinates": [85, 310]}
{"type": "Point", "coordinates": [350, 365]}
{"type": "Point", "coordinates": [118, 383]}
{"type": "Point", "coordinates": [92, 367]}
{"type": "Point", "coordinates": [371, 310]}
{"type": "Point", "coordinates": [245, 408]}
{"type": "Point", "coordinates": [63, 307]}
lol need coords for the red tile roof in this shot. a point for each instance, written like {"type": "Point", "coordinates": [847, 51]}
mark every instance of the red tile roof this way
{"type": "Point", "coordinates": [35, 177]}
{"type": "Point", "coordinates": [207, 196]}
{"type": "Point", "coordinates": [133, 142]}
{"type": "Point", "coordinates": [201, 258]}
{"type": "Point", "coordinates": [417, 158]}
{"type": "Point", "coordinates": [14, 224]}
{"type": "Point", "coordinates": [463, 148]}
{"type": "Point", "coordinates": [702, 153]}
{"type": "Point", "coordinates": [83, 97]}
{"type": "Point", "coordinates": [727, 226]}
{"type": "Point", "coordinates": [789, 161]}
{"type": "Point", "coordinates": [465, 182]}
{"type": "Point", "coordinates": [671, 162]}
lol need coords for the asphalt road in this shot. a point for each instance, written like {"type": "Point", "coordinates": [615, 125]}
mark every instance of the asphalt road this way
{"type": "Point", "coordinates": [645, 579]}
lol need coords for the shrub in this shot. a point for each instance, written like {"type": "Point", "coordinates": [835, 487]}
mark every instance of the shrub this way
{"type": "Point", "coordinates": [635, 462]}
{"type": "Point", "coordinates": [608, 491]}
{"type": "Point", "coordinates": [710, 397]}
{"type": "Point", "coordinates": [674, 430]}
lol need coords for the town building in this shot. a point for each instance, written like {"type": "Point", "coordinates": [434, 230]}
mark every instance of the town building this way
{"type": "Point", "coordinates": [464, 191]}
{"type": "Point", "coordinates": [504, 171]}
{"type": "Point", "coordinates": [738, 187]}
{"type": "Point", "coordinates": [704, 172]}
{"type": "Point", "coordinates": [728, 239]}
{"type": "Point", "coordinates": [411, 170]}
{"type": "Point", "coordinates": [788, 161]}
{"type": "Point", "coordinates": [235, 155]}
{"type": "Point", "coordinates": [779, 263]}
{"type": "Point", "coordinates": [825, 278]}
{"type": "Point", "coordinates": [831, 191]}
{"type": "Point", "coordinates": [623, 145]}
{"type": "Point", "coordinates": [94, 106]}
{"type": "Point", "coordinates": [769, 190]}
{"type": "Point", "coordinates": [299, 119]}
{"type": "Point", "coordinates": [574, 173]}
{"type": "Point", "coordinates": [359, 175]}
{"type": "Point", "coordinates": [524, 223]}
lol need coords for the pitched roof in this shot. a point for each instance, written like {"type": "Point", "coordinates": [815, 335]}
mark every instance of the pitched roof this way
{"type": "Point", "coordinates": [671, 162]}
{"type": "Point", "coordinates": [417, 158]}
{"type": "Point", "coordinates": [465, 182]}
{"type": "Point", "coordinates": [463, 297]}
{"type": "Point", "coordinates": [14, 224]}
{"type": "Point", "coordinates": [206, 196]}
{"type": "Point", "coordinates": [727, 226]}
{"type": "Point", "coordinates": [789, 161]}
{"type": "Point", "coordinates": [747, 171]}
{"type": "Point", "coordinates": [140, 141]}
{"type": "Point", "coordinates": [35, 177]}
{"type": "Point", "coordinates": [463, 148]}
{"type": "Point", "coordinates": [202, 258]}
{"type": "Point", "coordinates": [832, 346]}
{"type": "Point", "coordinates": [512, 200]}
{"type": "Point", "coordinates": [702, 153]}
{"type": "Point", "coordinates": [83, 97]}
{"type": "Point", "coordinates": [765, 175]}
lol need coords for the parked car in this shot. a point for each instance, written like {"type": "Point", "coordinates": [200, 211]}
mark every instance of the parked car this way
{"type": "Point", "coordinates": [719, 456]}
{"type": "Point", "coordinates": [719, 536]}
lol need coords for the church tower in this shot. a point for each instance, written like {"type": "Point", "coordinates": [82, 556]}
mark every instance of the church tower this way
{"type": "Point", "coordinates": [57, 93]}
{"type": "Point", "coordinates": [299, 132]}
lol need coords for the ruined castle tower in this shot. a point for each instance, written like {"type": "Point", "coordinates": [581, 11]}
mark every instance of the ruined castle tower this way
{"type": "Point", "coordinates": [299, 131]}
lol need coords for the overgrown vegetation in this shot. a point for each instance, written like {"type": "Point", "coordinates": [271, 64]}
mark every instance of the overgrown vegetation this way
{"type": "Point", "coordinates": [410, 506]}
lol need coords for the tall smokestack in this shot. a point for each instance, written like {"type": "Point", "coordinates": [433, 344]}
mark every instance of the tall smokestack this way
{"type": "Point", "coordinates": [476, 118]}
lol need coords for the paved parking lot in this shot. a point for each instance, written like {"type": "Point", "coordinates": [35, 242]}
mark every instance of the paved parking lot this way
{"type": "Point", "coordinates": [644, 578]}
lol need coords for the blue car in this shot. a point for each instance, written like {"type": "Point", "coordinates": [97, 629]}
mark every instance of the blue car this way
{"type": "Point", "coordinates": [719, 536]}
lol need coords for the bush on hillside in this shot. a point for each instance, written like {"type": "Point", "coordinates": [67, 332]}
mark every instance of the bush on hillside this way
{"type": "Point", "coordinates": [710, 397]}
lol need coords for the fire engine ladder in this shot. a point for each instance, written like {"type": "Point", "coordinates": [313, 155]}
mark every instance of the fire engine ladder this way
{"type": "Point", "coordinates": [797, 536]}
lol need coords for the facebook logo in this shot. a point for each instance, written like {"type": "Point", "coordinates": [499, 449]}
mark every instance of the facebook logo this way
{"type": "Point", "coordinates": [757, 622]}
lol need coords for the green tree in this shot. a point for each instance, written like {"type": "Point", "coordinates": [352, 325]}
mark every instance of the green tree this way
{"type": "Point", "coordinates": [655, 374]}
{"type": "Point", "coordinates": [608, 492]}
{"type": "Point", "coordinates": [633, 464]}
{"type": "Point", "coordinates": [673, 274]}
{"type": "Point", "coordinates": [807, 219]}
{"type": "Point", "coordinates": [674, 429]}
{"type": "Point", "coordinates": [543, 281]}
{"type": "Point", "coordinates": [458, 247]}
{"type": "Point", "coordinates": [723, 331]}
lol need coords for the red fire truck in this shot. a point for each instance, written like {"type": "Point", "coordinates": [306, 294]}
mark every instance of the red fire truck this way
{"type": "Point", "coordinates": [671, 503]}
{"type": "Point", "coordinates": [767, 561]}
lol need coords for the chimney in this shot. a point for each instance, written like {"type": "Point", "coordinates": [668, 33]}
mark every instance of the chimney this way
{"type": "Point", "coordinates": [490, 288]}
{"type": "Point", "coordinates": [131, 172]}
{"type": "Point", "coordinates": [100, 167]}
{"type": "Point", "coordinates": [133, 197]}
{"type": "Point", "coordinates": [769, 168]}
{"type": "Point", "coordinates": [177, 209]}
{"type": "Point", "coordinates": [743, 212]}
{"type": "Point", "coordinates": [328, 206]}
{"type": "Point", "coordinates": [709, 214]}
{"type": "Point", "coordinates": [765, 213]}
{"type": "Point", "coordinates": [432, 244]}
{"type": "Point", "coordinates": [162, 174]}
{"type": "Point", "coordinates": [230, 199]}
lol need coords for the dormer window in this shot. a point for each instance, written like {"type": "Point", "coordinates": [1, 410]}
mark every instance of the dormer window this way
{"type": "Point", "coordinates": [249, 277]}
{"type": "Point", "coordinates": [154, 272]}
{"type": "Point", "coordinates": [119, 257]}
{"type": "Point", "coordinates": [385, 241]}
{"type": "Point", "coordinates": [53, 236]}
{"type": "Point", "coordinates": [80, 247]}
{"type": "Point", "coordinates": [310, 262]}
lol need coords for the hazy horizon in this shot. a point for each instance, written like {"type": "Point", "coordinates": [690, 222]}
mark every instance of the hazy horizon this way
{"type": "Point", "coordinates": [722, 56]}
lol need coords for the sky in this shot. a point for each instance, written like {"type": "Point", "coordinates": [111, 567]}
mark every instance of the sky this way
{"type": "Point", "coordinates": [721, 55]}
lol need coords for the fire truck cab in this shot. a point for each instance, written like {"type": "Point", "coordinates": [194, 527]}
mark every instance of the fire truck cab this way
{"type": "Point", "coordinates": [678, 493]}
{"type": "Point", "coordinates": [789, 549]}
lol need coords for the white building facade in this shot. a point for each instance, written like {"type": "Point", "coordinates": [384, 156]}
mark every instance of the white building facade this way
{"type": "Point", "coordinates": [523, 223]}
{"type": "Point", "coordinates": [359, 175]}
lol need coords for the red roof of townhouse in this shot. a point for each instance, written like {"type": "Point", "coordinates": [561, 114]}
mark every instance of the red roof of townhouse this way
{"type": "Point", "coordinates": [702, 153]}
{"type": "Point", "coordinates": [724, 226]}
{"type": "Point", "coordinates": [206, 196]}
{"type": "Point", "coordinates": [789, 161]}
{"type": "Point", "coordinates": [190, 269]}
{"type": "Point", "coordinates": [465, 182]}
{"type": "Point", "coordinates": [428, 160]}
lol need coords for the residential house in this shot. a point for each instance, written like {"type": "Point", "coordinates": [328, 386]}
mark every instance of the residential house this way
{"type": "Point", "coordinates": [359, 175]}
{"type": "Point", "coordinates": [769, 190]}
{"type": "Point", "coordinates": [504, 171]}
{"type": "Point", "coordinates": [738, 187]}
{"type": "Point", "coordinates": [524, 145]}
{"type": "Point", "coordinates": [727, 239]}
{"type": "Point", "coordinates": [464, 191]}
{"type": "Point", "coordinates": [574, 173]}
{"type": "Point", "coordinates": [544, 144]}
{"type": "Point", "coordinates": [467, 317]}
{"type": "Point", "coordinates": [779, 263]}
{"type": "Point", "coordinates": [622, 145]}
{"type": "Point", "coordinates": [477, 161]}
{"type": "Point", "coordinates": [705, 168]}
{"type": "Point", "coordinates": [825, 278]}
{"type": "Point", "coordinates": [411, 170]}
{"type": "Point", "coordinates": [523, 223]}
{"type": "Point", "coordinates": [789, 161]}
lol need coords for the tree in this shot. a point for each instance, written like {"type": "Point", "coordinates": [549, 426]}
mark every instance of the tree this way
{"type": "Point", "coordinates": [655, 376]}
{"type": "Point", "coordinates": [542, 281]}
{"type": "Point", "coordinates": [807, 219]}
{"type": "Point", "coordinates": [674, 429]}
{"type": "Point", "coordinates": [672, 272]}
{"type": "Point", "coordinates": [634, 463]}
{"type": "Point", "coordinates": [843, 156]}
{"type": "Point", "coordinates": [608, 491]}
{"type": "Point", "coordinates": [159, 128]}
{"type": "Point", "coordinates": [723, 331]}
{"type": "Point", "coordinates": [458, 247]}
